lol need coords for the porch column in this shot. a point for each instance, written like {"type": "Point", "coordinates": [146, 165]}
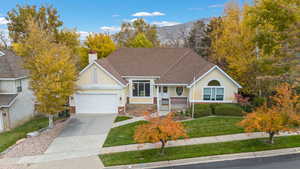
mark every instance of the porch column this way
{"type": "Point", "coordinates": [157, 98]}
{"type": "Point", "coordinates": [169, 104]}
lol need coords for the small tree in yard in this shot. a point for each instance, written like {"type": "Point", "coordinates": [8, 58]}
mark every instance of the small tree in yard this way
{"type": "Point", "coordinates": [281, 116]}
{"type": "Point", "coordinates": [159, 129]}
{"type": "Point", "coordinates": [51, 69]}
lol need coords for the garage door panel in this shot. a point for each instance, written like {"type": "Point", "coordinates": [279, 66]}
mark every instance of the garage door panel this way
{"type": "Point", "coordinates": [96, 103]}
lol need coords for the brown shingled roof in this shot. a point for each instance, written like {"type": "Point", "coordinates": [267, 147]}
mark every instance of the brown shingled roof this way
{"type": "Point", "coordinates": [107, 66]}
{"type": "Point", "coordinates": [11, 65]}
{"type": "Point", "coordinates": [173, 65]}
{"type": "Point", "coordinates": [6, 99]}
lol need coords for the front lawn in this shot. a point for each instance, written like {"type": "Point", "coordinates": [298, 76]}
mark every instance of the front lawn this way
{"type": "Point", "coordinates": [10, 137]}
{"type": "Point", "coordinates": [201, 127]}
{"type": "Point", "coordinates": [213, 126]}
{"type": "Point", "coordinates": [181, 152]}
{"type": "Point", "coordinates": [122, 135]}
{"type": "Point", "coordinates": [122, 118]}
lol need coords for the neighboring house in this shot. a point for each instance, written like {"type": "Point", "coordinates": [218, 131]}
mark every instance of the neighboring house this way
{"type": "Point", "coordinates": [16, 100]}
{"type": "Point", "coordinates": [171, 78]}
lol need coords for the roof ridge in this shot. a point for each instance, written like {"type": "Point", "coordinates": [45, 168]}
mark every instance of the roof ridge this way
{"type": "Point", "coordinates": [178, 60]}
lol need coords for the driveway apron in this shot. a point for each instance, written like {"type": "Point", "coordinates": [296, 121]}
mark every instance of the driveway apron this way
{"type": "Point", "coordinates": [84, 133]}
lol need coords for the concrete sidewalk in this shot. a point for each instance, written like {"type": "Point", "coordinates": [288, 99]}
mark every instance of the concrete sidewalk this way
{"type": "Point", "coordinates": [92, 162]}
{"type": "Point", "coordinates": [210, 159]}
{"type": "Point", "coordinates": [187, 142]}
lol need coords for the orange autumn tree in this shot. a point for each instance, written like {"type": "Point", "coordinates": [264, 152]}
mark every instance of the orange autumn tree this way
{"type": "Point", "coordinates": [159, 129]}
{"type": "Point", "coordinates": [281, 116]}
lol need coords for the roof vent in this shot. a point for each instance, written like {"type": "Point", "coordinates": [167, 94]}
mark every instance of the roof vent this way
{"type": "Point", "coordinates": [1, 53]}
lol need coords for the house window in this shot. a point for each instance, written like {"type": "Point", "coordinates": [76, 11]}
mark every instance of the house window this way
{"type": "Point", "coordinates": [141, 88]}
{"type": "Point", "coordinates": [179, 91]}
{"type": "Point", "coordinates": [214, 91]}
{"type": "Point", "coordinates": [19, 85]}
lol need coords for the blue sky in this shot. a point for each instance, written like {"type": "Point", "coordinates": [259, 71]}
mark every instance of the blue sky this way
{"type": "Point", "coordinates": [107, 15]}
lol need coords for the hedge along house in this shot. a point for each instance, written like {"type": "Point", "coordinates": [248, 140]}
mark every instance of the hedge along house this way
{"type": "Point", "coordinates": [170, 78]}
{"type": "Point", "coordinates": [16, 98]}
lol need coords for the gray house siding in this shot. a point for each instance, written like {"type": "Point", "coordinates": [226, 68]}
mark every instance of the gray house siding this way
{"type": "Point", "coordinates": [23, 107]}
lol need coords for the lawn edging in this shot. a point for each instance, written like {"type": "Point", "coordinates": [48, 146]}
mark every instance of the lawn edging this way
{"type": "Point", "coordinates": [200, 150]}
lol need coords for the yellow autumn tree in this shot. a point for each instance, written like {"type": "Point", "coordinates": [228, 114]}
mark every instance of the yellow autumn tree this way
{"type": "Point", "coordinates": [281, 116]}
{"type": "Point", "coordinates": [233, 47]}
{"type": "Point", "coordinates": [52, 71]}
{"type": "Point", "coordinates": [159, 129]}
{"type": "Point", "coordinates": [100, 43]}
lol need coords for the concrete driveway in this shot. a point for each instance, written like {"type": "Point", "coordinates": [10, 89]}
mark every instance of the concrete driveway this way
{"type": "Point", "coordinates": [84, 133]}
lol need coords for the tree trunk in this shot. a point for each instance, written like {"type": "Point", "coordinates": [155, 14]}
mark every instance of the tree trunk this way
{"type": "Point", "coordinates": [162, 149]}
{"type": "Point", "coordinates": [271, 137]}
{"type": "Point", "coordinates": [50, 126]}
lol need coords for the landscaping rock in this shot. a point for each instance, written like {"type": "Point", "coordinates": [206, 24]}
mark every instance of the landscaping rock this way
{"type": "Point", "coordinates": [33, 134]}
{"type": "Point", "coordinates": [34, 145]}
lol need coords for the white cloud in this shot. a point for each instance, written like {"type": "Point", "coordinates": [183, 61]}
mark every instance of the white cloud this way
{"type": "Point", "coordinates": [148, 14]}
{"type": "Point", "coordinates": [3, 21]}
{"type": "Point", "coordinates": [130, 20]}
{"type": "Point", "coordinates": [115, 15]}
{"type": "Point", "coordinates": [216, 6]}
{"type": "Point", "coordinates": [110, 29]}
{"type": "Point", "coordinates": [165, 23]}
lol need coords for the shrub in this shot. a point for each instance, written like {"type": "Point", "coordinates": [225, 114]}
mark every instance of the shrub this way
{"type": "Point", "coordinates": [258, 101]}
{"type": "Point", "coordinates": [202, 110]}
{"type": "Point", "coordinates": [228, 110]}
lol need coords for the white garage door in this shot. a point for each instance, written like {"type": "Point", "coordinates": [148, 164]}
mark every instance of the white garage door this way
{"type": "Point", "coordinates": [96, 103]}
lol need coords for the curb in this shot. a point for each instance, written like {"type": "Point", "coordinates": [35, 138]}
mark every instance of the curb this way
{"type": "Point", "coordinates": [210, 159]}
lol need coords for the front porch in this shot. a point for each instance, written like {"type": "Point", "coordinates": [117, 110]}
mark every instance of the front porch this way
{"type": "Point", "coordinates": [171, 98]}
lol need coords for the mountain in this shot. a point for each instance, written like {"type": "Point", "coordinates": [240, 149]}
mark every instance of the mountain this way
{"type": "Point", "coordinates": [168, 34]}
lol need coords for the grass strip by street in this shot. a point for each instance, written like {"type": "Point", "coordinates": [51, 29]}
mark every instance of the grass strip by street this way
{"type": "Point", "coordinates": [181, 152]}
{"type": "Point", "coordinates": [10, 137]}
{"type": "Point", "coordinates": [201, 127]}
{"type": "Point", "coordinates": [122, 118]}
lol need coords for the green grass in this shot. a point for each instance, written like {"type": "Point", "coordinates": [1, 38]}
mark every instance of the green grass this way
{"type": "Point", "coordinates": [122, 135]}
{"type": "Point", "coordinates": [213, 126]}
{"type": "Point", "coordinates": [201, 127]}
{"type": "Point", "coordinates": [121, 118]}
{"type": "Point", "coordinates": [10, 137]}
{"type": "Point", "coordinates": [181, 152]}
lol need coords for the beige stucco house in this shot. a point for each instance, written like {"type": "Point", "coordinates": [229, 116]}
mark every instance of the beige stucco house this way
{"type": "Point", "coordinates": [170, 78]}
{"type": "Point", "coordinates": [16, 98]}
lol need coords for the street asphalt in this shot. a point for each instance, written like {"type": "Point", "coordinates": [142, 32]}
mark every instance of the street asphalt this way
{"type": "Point", "coordinates": [278, 162]}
